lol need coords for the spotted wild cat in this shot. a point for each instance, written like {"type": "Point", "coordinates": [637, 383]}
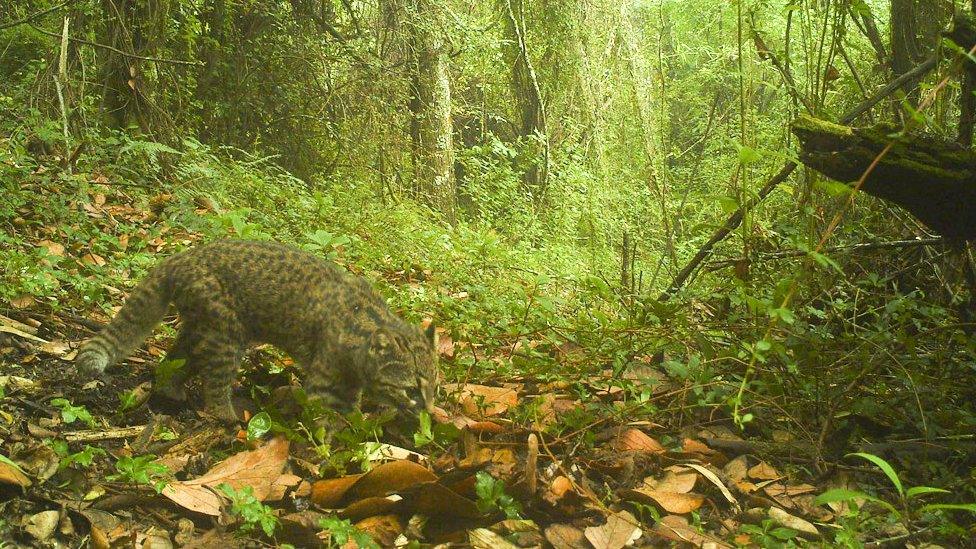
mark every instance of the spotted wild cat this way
{"type": "Point", "coordinates": [232, 294]}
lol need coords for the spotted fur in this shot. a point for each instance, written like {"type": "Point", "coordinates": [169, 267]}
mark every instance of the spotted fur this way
{"type": "Point", "coordinates": [232, 294]}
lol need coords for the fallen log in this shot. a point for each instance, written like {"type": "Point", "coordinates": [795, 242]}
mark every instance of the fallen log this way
{"type": "Point", "coordinates": [933, 179]}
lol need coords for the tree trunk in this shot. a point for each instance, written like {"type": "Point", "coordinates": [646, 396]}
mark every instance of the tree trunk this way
{"type": "Point", "coordinates": [528, 95]}
{"type": "Point", "coordinates": [430, 106]}
{"type": "Point", "coordinates": [136, 28]}
{"type": "Point", "coordinates": [915, 26]}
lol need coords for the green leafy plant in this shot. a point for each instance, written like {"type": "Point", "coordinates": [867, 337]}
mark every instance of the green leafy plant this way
{"type": "Point", "coordinates": [341, 531]}
{"type": "Point", "coordinates": [259, 425]}
{"type": "Point", "coordinates": [769, 535]}
{"type": "Point", "coordinates": [907, 509]}
{"type": "Point", "coordinates": [84, 458]}
{"type": "Point", "coordinates": [254, 514]}
{"type": "Point", "coordinates": [71, 413]}
{"type": "Point", "coordinates": [492, 496]}
{"type": "Point", "coordinates": [141, 470]}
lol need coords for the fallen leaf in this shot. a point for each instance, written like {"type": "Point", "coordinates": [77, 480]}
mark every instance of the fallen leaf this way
{"type": "Point", "coordinates": [389, 477]}
{"type": "Point", "coordinates": [386, 452]}
{"type": "Point", "coordinates": [371, 506]}
{"type": "Point", "coordinates": [281, 485]}
{"type": "Point", "coordinates": [763, 471]}
{"type": "Point", "coordinates": [258, 469]}
{"type": "Point", "coordinates": [483, 538]}
{"type": "Point", "coordinates": [328, 493]}
{"type": "Point", "coordinates": [10, 473]}
{"type": "Point", "coordinates": [42, 525]}
{"type": "Point", "coordinates": [22, 302]}
{"type": "Point", "coordinates": [564, 536]}
{"type": "Point", "coordinates": [93, 259]}
{"type": "Point", "coordinates": [483, 400]}
{"type": "Point", "coordinates": [679, 482]}
{"type": "Point", "coordinates": [445, 345]}
{"type": "Point", "coordinates": [384, 529]}
{"type": "Point", "coordinates": [794, 523]}
{"type": "Point", "coordinates": [676, 528]}
{"type": "Point", "coordinates": [620, 530]}
{"type": "Point", "coordinates": [53, 248]}
{"type": "Point", "coordinates": [713, 478]}
{"type": "Point", "coordinates": [672, 502]}
{"type": "Point", "coordinates": [636, 440]}
{"type": "Point", "coordinates": [737, 469]}
{"type": "Point", "coordinates": [433, 499]}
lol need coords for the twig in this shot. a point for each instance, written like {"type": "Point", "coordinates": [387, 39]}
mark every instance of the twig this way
{"type": "Point", "coordinates": [735, 219]}
{"type": "Point", "coordinates": [118, 51]}
{"type": "Point", "coordinates": [725, 230]}
{"type": "Point", "coordinates": [35, 15]}
{"type": "Point", "coordinates": [109, 434]}
{"type": "Point", "coordinates": [850, 247]}
{"type": "Point", "coordinates": [921, 68]}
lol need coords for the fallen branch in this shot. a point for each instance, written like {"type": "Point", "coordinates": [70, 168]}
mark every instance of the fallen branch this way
{"type": "Point", "coordinates": [109, 434]}
{"type": "Point", "coordinates": [35, 15]}
{"type": "Point", "coordinates": [847, 248]}
{"type": "Point", "coordinates": [735, 219]}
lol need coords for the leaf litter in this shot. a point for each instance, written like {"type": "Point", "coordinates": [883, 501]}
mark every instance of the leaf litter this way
{"type": "Point", "coordinates": [606, 483]}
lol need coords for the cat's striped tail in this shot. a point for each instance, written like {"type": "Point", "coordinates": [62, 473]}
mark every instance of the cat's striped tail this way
{"type": "Point", "coordinates": [142, 311]}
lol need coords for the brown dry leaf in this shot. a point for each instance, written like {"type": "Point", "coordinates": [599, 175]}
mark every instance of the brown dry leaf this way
{"type": "Point", "coordinates": [483, 538]}
{"type": "Point", "coordinates": [805, 528]}
{"type": "Point", "coordinates": [564, 536]}
{"type": "Point", "coordinates": [389, 477]}
{"type": "Point", "coordinates": [783, 490]}
{"type": "Point", "coordinates": [281, 485]}
{"type": "Point", "coordinates": [560, 486]}
{"type": "Point", "coordinates": [672, 502]}
{"type": "Point", "coordinates": [433, 499]}
{"type": "Point", "coordinates": [676, 528]}
{"type": "Point", "coordinates": [713, 478]}
{"type": "Point", "coordinates": [483, 400]}
{"type": "Point", "coordinates": [371, 506]}
{"type": "Point", "coordinates": [763, 471]}
{"type": "Point", "coordinates": [384, 530]}
{"type": "Point", "coordinates": [620, 530]}
{"type": "Point", "coordinates": [737, 469]}
{"type": "Point", "coordinates": [329, 493]}
{"type": "Point", "coordinates": [53, 248]}
{"type": "Point", "coordinates": [12, 474]}
{"type": "Point", "coordinates": [93, 259]}
{"type": "Point", "coordinates": [679, 482]}
{"type": "Point", "coordinates": [258, 469]}
{"type": "Point", "coordinates": [445, 345]}
{"type": "Point", "coordinates": [636, 440]}
{"type": "Point", "coordinates": [22, 301]}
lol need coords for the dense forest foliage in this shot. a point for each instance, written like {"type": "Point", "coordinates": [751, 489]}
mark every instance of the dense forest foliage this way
{"type": "Point", "coordinates": [662, 242]}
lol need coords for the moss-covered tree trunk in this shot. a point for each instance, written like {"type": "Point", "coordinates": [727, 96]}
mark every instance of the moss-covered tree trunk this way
{"type": "Point", "coordinates": [430, 105]}
{"type": "Point", "coordinates": [528, 95]}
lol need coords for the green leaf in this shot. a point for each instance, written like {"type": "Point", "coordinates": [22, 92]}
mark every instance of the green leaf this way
{"type": "Point", "coordinates": [844, 494]}
{"type": "Point", "coordinates": [885, 468]}
{"type": "Point", "coordinates": [748, 155]}
{"type": "Point", "coordinates": [839, 494]}
{"type": "Point", "coordinates": [970, 507]}
{"type": "Point", "coordinates": [259, 425]}
{"type": "Point", "coordinates": [915, 491]}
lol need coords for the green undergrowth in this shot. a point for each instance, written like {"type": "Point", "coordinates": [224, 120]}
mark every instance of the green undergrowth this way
{"type": "Point", "coordinates": [79, 239]}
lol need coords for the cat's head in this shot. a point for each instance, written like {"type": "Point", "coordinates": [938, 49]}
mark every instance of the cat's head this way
{"type": "Point", "coordinates": [405, 361]}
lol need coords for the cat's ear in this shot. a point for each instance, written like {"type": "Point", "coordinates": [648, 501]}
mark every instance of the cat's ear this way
{"type": "Point", "coordinates": [431, 334]}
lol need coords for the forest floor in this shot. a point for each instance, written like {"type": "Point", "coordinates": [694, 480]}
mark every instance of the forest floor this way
{"type": "Point", "coordinates": [102, 463]}
{"type": "Point", "coordinates": [79, 468]}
